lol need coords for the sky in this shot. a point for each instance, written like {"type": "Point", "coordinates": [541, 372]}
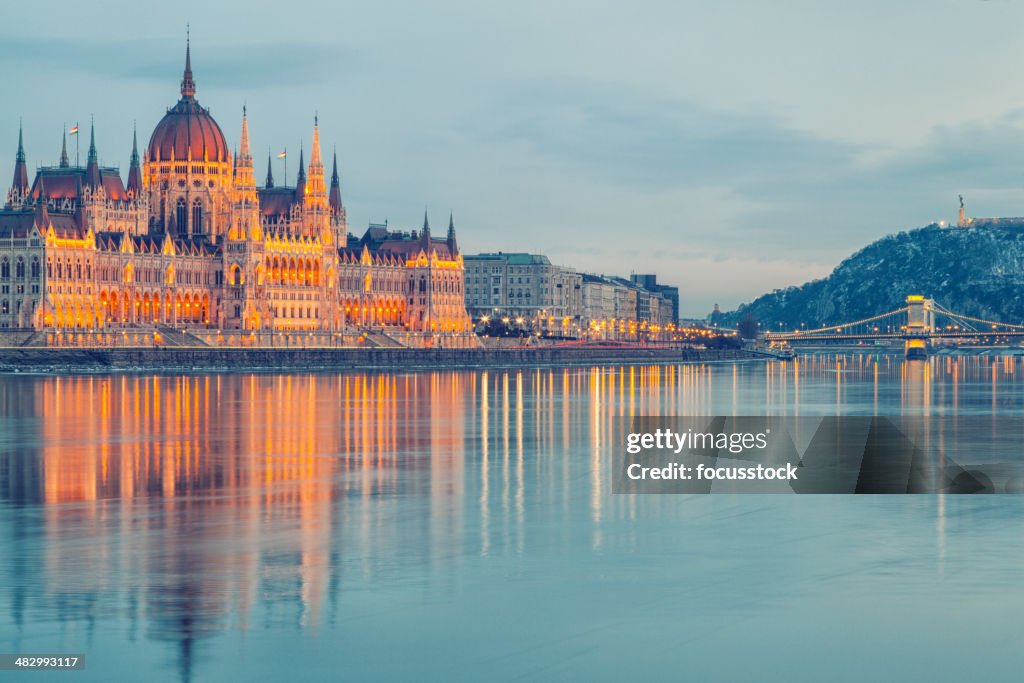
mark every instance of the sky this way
{"type": "Point", "coordinates": [731, 147]}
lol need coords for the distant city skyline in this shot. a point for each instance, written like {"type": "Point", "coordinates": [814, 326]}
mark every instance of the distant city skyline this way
{"type": "Point", "coordinates": [730, 149]}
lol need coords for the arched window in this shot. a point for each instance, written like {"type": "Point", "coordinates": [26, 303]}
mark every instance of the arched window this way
{"type": "Point", "coordinates": [19, 269]}
{"type": "Point", "coordinates": [35, 268]}
{"type": "Point", "coordinates": [5, 269]}
{"type": "Point", "coordinates": [197, 217]}
{"type": "Point", "coordinates": [181, 215]}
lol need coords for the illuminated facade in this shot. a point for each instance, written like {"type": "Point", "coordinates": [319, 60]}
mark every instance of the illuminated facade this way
{"type": "Point", "coordinates": [191, 243]}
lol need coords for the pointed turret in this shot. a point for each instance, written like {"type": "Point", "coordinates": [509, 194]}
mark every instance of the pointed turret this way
{"type": "Point", "coordinates": [188, 86]}
{"type": "Point", "coordinates": [453, 246]}
{"type": "Point", "coordinates": [314, 157]}
{"type": "Point", "coordinates": [335, 196]}
{"type": "Point", "coordinates": [244, 154]}
{"type": "Point", "coordinates": [316, 189]}
{"type": "Point", "coordinates": [244, 176]}
{"type": "Point", "coordinates": [92, 168]}
{"type": "Point", "coordinates": [270, 172]}
{"type": "Point", "coordinates": [425, 233]}
{"type": "Point", "coordinates": [20, 183]}
{"type": "Point", "coordinates": [64, 163]}
{"type": "Point", "coordinates": [300, 183]}
{"type": "Point", "coordinates": [134, 187]}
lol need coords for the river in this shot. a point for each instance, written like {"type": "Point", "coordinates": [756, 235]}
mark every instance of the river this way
{"type": "Point", "coordinates": [460, 525]}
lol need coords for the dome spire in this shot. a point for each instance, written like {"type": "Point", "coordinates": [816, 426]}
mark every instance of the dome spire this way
{"type": "Point", "coordinates": [270, 171]}
{"type": "Point", "coordinates": [188, 86]}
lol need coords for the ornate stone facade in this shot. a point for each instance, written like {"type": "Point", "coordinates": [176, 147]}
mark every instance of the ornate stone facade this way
{"type": "Point", "coordinates": [192, 242]}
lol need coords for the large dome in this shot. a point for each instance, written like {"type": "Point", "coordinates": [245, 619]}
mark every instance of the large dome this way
{"type": "Point", "coordinates": [188, 131]}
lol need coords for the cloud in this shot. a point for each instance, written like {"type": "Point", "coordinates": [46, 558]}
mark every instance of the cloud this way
{"type": "Point", "coordinates": [625, 135]}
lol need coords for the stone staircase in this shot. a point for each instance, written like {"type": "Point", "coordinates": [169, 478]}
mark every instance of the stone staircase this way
{"type": "Point", "coordinates": [22, 337]}
{"type": "Point", "coordinates": [378, 339]}
{"type": "Point", "coordinates": [172, 337]}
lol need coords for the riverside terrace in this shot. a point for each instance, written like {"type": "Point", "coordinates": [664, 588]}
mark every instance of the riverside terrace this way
{"type": "Point", "coordinates": [164, 359]}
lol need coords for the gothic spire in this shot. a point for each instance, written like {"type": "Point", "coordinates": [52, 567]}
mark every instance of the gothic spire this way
{"type": "Point", "coordinates": [300, 182]}
{"type": "Point", "coordinates": [20, 169]}
{"type": "Point", "coordinates": [270, 171]}
{"type": "Point", "coordinates": [92, 168]}
{"type": "Point", "coordinates": [135, 146]}
{"type": "Point", "coordinates": [426, 227]}
{"type": "Point", "coordinates": [452, 247]}
{"type": "Point", "coordinates": [335, 196]}
{"type": "Point", "coordinates": [134, 171]}
{"type": "Point", "coordinates": [64, 163]}
{"type": "Point", "coordinates": [92, 143]}
{"type": "Point", "coordinates": [188, 86]}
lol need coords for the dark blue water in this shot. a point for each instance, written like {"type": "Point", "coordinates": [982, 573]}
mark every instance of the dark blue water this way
{"type": "Point", "coordinates": [461, 526]}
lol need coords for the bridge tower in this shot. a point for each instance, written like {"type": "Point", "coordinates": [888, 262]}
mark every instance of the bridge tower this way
{"type": "Point", "coordinates": [920, 326]}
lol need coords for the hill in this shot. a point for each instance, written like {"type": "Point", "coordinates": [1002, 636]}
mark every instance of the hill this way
{"type": "Point", "coordinates": [974, 271]}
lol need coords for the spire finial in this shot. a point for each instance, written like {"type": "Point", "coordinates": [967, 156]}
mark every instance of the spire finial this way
{"type": "Point", "coordinates": [270, 170]}
{"type": "Point", "coordinates": [188, 86]}
{"type": "Point", "coordinates": [426, 222]}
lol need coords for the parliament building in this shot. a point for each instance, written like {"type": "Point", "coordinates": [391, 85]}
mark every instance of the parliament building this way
{"type": "Point", "coordinates": [190, 246]}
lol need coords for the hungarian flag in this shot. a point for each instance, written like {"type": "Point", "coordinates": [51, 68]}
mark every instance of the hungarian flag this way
{"type": "Point", "coordinates": [282, 155]}
{"type": "Point", "coordinates": [74, 130]}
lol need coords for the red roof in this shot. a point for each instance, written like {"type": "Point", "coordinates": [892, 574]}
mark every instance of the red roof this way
{"type": "Point", "coordinates": [66, 183]}
{"type": "Point", "coordinates": [188, 131]}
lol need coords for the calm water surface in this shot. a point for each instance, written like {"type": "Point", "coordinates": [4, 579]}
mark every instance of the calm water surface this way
{"type": "Point", "coordinates": [461, 526]}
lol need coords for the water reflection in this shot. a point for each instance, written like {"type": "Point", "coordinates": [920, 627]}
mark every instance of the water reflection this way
{"type": "Point", "coordinates": [180, 508]}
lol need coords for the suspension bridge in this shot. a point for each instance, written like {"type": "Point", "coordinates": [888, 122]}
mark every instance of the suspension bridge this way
{"type": "Point", "coordinates": [918, 324]}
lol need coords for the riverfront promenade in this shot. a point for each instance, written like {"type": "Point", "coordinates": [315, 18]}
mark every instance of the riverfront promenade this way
{"type": "Point", "coordinates": [149, 359]}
